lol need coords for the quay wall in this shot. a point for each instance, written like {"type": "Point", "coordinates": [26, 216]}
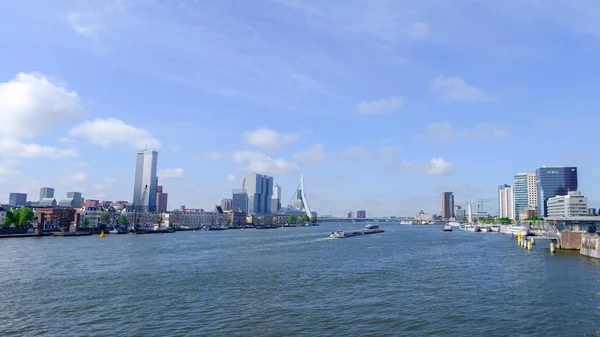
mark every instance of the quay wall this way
{"type": "Point", "coordinates": [590, 245]}
{"type": "Point", "coordinates": [570, 240]}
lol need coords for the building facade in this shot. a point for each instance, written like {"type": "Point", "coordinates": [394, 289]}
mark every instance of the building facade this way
{"type": "Point", "coordinates": [460, 213]}
{"type": "Point", "coordinates": [447, 205]}
{"type": "Point", "coordinates": [2, 215]}
{"type": "Point", "coordinates": [276, 199]}
{"type": "Point", "coordinates": [77, 198]}
{"type": "Point", "coordinates": [162, 200]}
{"type": "Point", "coordinates": [350, 215]}
{"type": "Point", "coordinates": [362, 214]}
{"type": "Point", "coordinates": [239, 201]}
{"type": "Point", "coordinates": [572, 204]}
{"type": "Point", "coordinates": [259, 188]}
{"type": "Point", "coordinates": [531, 189]}
{"type": "Point", "coordinates": [17, 199]}
{"type": "Point", "coordinates": [67, 202]}
{"type": "Point", "coordinates": [506, 205]}
{"type": "Point", "coordinates": [520, 189]}
{"type": "Point", "coordinates": [527, 213]}
{"type": "Point", "coordinates": [47, 202]}
{"type": "Point", "coordinates": [91, 203]}
{"type": "Point", "coordinates": [92, 214]}
{"type": "Point", "coordinates": [46, 193]}
{"type": "Point", "coordinates": [55, 217]}
{"type": "Point", "coordinates": [146, 181]}
{"type": "Point", "coordinates": [552, 182]}
{"type": "Point", "coordinates": [592, 211]}
{"type": "Point", "coordinates": [226, 204]}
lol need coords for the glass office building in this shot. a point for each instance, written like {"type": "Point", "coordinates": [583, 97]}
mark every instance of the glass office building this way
{"type": "Point", "coordinates": [553, 181]}
{"type": "Point", "coordinates": [520, 192]}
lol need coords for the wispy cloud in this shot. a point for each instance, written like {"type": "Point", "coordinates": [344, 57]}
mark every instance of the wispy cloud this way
{"type": "Point", "coordinates": [456, 89]}
{"type": "Point", "coordinates": [380, 106]}
{"type": "Point", "coordinates": [445, 132]}
{"type": "Point", "coordinates": [435, 167]}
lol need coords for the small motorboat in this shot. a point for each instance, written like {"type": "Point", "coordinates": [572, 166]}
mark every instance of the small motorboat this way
{"type": "Point", "coordinates": [486, 229]}
{"type": "Point", "coordinates": [337, 235]}
{"type": "Point", "coordinates": [447, 228]}
{"type": "Point", "coordinates": [372, 226]}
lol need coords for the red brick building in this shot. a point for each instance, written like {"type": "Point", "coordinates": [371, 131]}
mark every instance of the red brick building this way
{"type": "Point", "coordinates": [55, 217]}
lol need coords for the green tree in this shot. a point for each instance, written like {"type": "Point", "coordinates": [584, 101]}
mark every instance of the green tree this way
{"type": "Point", "coordinates": [85, 222]}
{"type": "Point", "coordinates": [123, 220]}
{"type": "Point", "coordinates": [534, 218]}
{"type": "Point", "coordinates": [25, 215]}
{"type": "Point", "coordinates": [304, 218]}
{"type": "Point", "coordinates": [313, 219]}
{"type": "Point", "coordinates": [506, 220]}
{"type": "Point", "coordinates": [292, 219]}
{"type": "Point", "coordinates": [9, 219]}
{"type": "Point", "coordinates": [104, 218]}
{"type": "Point", "coordinates": [159, 219]}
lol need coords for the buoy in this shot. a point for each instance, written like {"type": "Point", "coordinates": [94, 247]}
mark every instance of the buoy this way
{"type": "Point", "coordinates": [529, 245]}
{"type": "Point", "coordinates": [102, 234]}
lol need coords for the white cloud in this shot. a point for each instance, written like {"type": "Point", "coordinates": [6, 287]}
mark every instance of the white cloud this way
{"type": "Point", "coordinates": [30, 105]}
{"type": "Point", "coordinates": [313, 154]}
{"type": "Point", "coordinates": [14, 148]}
{"type": "Point", "coordinates": [108, 180]}
{"type": "Point", "coordinates": [66, 140]}
{"type": "Point", "coordinates": [380, 106]}
{"type": "Point", "coordinates": [170, 173]}
{"type": "Point", "coordinates": [456, 89]}
{"type": "Point", "coordinates": [231, 177]}
{"type": "Point", "coordinates": [73, 178]}
{"type": "Point", "coordinates": [261, 163]}
{"type": "Point", "coordinates": [269, 139]}
{"type": "Point", "coordinates": [214, 156]}
{"type": "Point", "coordinates": [436, 167]}
{"type": "Point", "coordinates": [419, 30]}
{"type": "Point", "coordinates": [86, 24]}
{"type": "Point", "coordinates": [8, 169]}
{"type": "Point", "coordinates": [111, 131]}
{"type": "Point", "coordinates": [444, 132]}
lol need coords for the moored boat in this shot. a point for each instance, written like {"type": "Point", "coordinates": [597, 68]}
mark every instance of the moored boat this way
{"type": "Point", "coordinates": [447, 228]}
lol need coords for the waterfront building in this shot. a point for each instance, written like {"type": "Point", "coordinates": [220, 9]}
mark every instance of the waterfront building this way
{"type": "Point", "coordinates": [47, 202]}
{"type": "Point", "coordinates": [239, 202]}
{"type": "Point", "coordinates": [592, 211]}
{"type": "Point", "coordinates": [524, 191]}
{"type": "Point", "coordinates": [350, 215]}
{"type": "Point", "coordinates": [194, 218]}
{"type": "Point", "coordinates": [276, 199]}
{"type": "Point", "coordinates": [145, 184]}
{"type": "Point", "coordinates": [2, 215]}
{"type": "Point", "coordinates": [460, 213]}
{"type": "Point", "coordinates": [161, 200]}
{"type": "Point", "coordinates": [551, 182]}
{"type": "Point", "coordinates": [447, 205]}
{"type": "Point", "coordinates": [77, 199]}
{"type": "Point", "coordinates": [506, 205]}
{"type": "Point", "coordinates": [67, 202]}
{"type": "Point", "coordinates": [226, 204]}
{"type": "Point", "coordinates": [531, 189]}
{"type": "Point", "coordinates": [259, 188]}
{"type": "Point", "coordinates": [91, 203]}
{"type": "Point", "coordinates": [55, 217]}
{"type": "Point", "coordinates": [572, 204]}
{"type": "Point", "coordinates": [362, 214]}
{"type": "Point", "coordinates": [92, 214]}
{"type": "Point", "coordinates": [17, 199]}
{"type": "Point", "coordinates": [422, 216]}
{"type": "Point", "coordinates": [527, 213]}
{"type": "Point", "coordinates": [46, 193]}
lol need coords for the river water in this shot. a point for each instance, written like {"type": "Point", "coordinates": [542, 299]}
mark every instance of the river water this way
{"type": "Point", "coordinates": [408, 281]}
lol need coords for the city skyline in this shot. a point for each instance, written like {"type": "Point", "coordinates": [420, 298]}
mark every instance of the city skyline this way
{"type": "Point", "coordinates": [381, 105]}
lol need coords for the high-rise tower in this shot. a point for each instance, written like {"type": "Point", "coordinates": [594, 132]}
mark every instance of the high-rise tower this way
{"type": "Point", "coordinates": [144, 188]}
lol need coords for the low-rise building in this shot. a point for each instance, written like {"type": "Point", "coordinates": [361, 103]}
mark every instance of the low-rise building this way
{"type": "Point", "coordinates": [47, 202]}
{"type": "Point", "coordinates": [67, 202]}
{"type": "Point", "coordinates": [92, 214]}
{"type": "Point", "coordinates": [592, 211]}
{"type": "Point", "coordinates": [55, 217]}
{"type": "Point", "coordinates": [2, 215]}
{"type": "Point", "coordinates": [527, 213]}
{"type": "Point", "coordinates": [572, 204]}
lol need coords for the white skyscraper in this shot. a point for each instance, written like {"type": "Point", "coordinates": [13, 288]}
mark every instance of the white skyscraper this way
{"type": "Point", "coordinates": [145, 180]}
{"type": "Point", "coordinates": [276, 199]}
{"type": "Point", "coordinates": [260, 189]}
{"type": "Point", "coordinates": [506, 204]}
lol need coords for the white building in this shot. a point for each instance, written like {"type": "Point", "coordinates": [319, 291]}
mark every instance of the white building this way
{"type": "Point", "coordinates": [506, 205]}
{"type": "Point", "coordinates": [531, 189]}
{"type": "Point", "coordinates": [93, 215]}
{"type": "Point", "coordinates": [2, 215]}
{"type": "Point", "coordinates": [573, 204]}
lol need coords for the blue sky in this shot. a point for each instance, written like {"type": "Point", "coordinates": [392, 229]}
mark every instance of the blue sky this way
{"type": "Point", "coordinates": [381, 104]}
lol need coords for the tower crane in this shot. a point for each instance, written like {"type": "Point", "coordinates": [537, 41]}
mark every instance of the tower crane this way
{"type": "Point", "coordinates": [480, 203]}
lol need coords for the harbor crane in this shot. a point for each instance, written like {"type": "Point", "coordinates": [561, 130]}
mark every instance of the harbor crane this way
{"type": "Point", "coordinates": [480, 203]}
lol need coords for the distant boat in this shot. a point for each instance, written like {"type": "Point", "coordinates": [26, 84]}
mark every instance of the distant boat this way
{"type": "Point", "coordinates": [372, 226]}
{"type": "Point", "coordinates": [102, 234]}
{"type": "Point", "coordinates": [447, 228]}
{"type": "Point", "coordinates": [486, 229]}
